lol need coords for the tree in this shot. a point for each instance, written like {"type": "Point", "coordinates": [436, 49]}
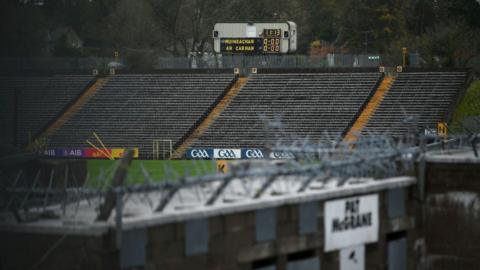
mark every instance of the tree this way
{"type": "Point", "coordinates": [23, 29]}
{"type": "Point", "coordinates": [444, 31]}
{"type": "Point", "coordinates": [453, 38]}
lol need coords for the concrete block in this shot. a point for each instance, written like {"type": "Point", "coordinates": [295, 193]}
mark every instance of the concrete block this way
{"type": "Point", "coordinates": [257, 252]}
{"type": "Point", "coordinates": [298, 243]}
{"type": "Point", "coordinates": [292, 245]}
{"type": "Point", "coordinates": [231, 243]}
{"type": "Point", "coordinates": [163, 251]}
{"type": "Point", "coordinates": [396, 202]}
{"type": "Point", "coordinates": [330, 261]}
{"type": "Point", "coordinates": [268, 267]}
{"type": "Point", "coordinates": [397, 254]}
{"type": "Point", "coordinates": [305, 264]}
{"type": "Point", "coordinates": [307, 218]}
{"type": "Point", "coordinates": [179, 231]}
{"type": "Point", "coordinates": [401, 224]}
{"type": "Point", "coordinates": [199, 262]}
{"type": "Point", "coordinates": [196, 237]}
{"type": "Point", "coordinates": [287, 229]}
{"type": "Point", "coordinates": [283, 213]}
{"type": "Point", "coordinates": [161, 234]}
{"type": "Point", "coordinates": [238, 221]}
{"type": "Point", "coordinates": [132, 250]}
{"type": "Point", "coordinates": [265, 224]}
{"type": "Point", "coordinates": [216, 225]}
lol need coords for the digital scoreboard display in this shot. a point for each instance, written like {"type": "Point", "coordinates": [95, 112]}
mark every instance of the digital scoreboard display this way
{"type": "Point", "coordinates": [272, 33]}
{"type": "Point", "coordinates": [268, 43]}
{"type": "Point", "coordinates": [271, 40]}
{"type": "Point", "coordinates": [271, 45]}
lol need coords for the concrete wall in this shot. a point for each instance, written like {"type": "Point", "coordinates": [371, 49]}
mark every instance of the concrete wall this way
{"type": "Point", "coordinates": [49, 251]}
{"type": "Point", "coordinates": [232, 241]}
{"type": "Point", "coordinates": [450, 216]}
{"type": "Point", "coordinates": [270, 238]}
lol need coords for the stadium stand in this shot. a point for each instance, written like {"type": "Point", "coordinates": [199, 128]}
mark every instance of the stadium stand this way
{"type": "Point", "coordinates": [197, 131]}
{"type": "Point", "coordinates": [424, 96]}
{"type": "Point", "coordinates": [7, 115]}
{"type": "Point", "coordinates": [39, 100]}
{"type": "Point", "coordinates": [309, 103]}
{"type": "Point", "coordinates": [133, 110]}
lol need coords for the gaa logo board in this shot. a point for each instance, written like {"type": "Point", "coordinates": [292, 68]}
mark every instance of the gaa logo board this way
{"type": "Point", "coordinates": [236, 153]}
{"type": "Point", "coordinates": [199, 153]}
{"type": "Point", "coordinates": [227, 153]}
{"type": "Point", "coordinates": [281, 155]}
{"type": "Point", "coordinates": [253, 153]}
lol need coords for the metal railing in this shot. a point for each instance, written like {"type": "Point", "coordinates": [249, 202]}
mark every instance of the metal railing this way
{"type": "Point", "coordinates": [268, 61]}
{"type": "Point", "coordinates": [207, 61]}
{"type": "Point", "coordinates": [55, 64]}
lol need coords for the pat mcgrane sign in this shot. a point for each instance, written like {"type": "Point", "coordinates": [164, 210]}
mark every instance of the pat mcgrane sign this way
{"type": "Point", "coordinates": [350, 222]}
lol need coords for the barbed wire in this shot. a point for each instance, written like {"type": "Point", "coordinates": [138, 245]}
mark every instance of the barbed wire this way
{"type": "Point", "coordinates": [374, 156]}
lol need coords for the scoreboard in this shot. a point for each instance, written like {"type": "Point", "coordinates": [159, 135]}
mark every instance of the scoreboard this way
{"type": "Point", "coordinates": [267, 44]}
{"type": "Point", "coordinates": [236, 38]}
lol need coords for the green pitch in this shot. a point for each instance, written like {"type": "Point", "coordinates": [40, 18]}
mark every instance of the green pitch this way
{"type": "Point", "coordinates": [470, 105]}
{"type": "Point", "coordinates": [100, 172]}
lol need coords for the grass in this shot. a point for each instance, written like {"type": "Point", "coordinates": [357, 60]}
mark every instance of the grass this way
{"type": "Point", "coordinates": [469, 106]}
{"type": "Point", "coordinates": [100, 172]}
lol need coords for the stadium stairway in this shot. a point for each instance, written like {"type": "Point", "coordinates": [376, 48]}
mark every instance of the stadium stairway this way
{"type": "Point", "coordinates": [210, 118]}
{"type": "Point", "coordinates": [369, 110]}
{"type": "Point", "coordinates": [73, 108]}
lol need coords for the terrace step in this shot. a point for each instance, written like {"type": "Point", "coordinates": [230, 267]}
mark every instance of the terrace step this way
{"type": "Point", "coordinates": [370, 109]}
{"type": "Point", "coordinates": [214, 114]}
{"type": "Point", "coordinates": [75, 107]}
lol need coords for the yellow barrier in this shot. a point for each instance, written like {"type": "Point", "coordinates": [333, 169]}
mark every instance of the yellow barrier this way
{"type": "Point", "coordinates": [110, 153]}
{"type": "Point", "coordinates": [442, 129]}
{"type": "Point", "coordinates": [222, 166]}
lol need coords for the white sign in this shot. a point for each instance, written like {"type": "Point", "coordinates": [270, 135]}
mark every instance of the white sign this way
{"type": "Point", "coordinates": [352, 258]}
{"type": "Point", "coordinates": [351, 222]}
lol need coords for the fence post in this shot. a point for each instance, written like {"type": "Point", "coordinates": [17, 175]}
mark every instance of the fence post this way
{"type": "Point", "coordinates": [118, 179]}
{"type": "Point", "coordinates": [421, 176]}
{"type": "Point", "coordinates": [118, 216]}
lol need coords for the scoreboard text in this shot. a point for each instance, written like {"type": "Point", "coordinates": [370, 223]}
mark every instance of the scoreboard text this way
{"type": "Point", "coordinates": [241, 45]}
{"type": "Point", "coordinates": [272, 33]}
{"type": "Point", "coordinates": [270, 42]}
